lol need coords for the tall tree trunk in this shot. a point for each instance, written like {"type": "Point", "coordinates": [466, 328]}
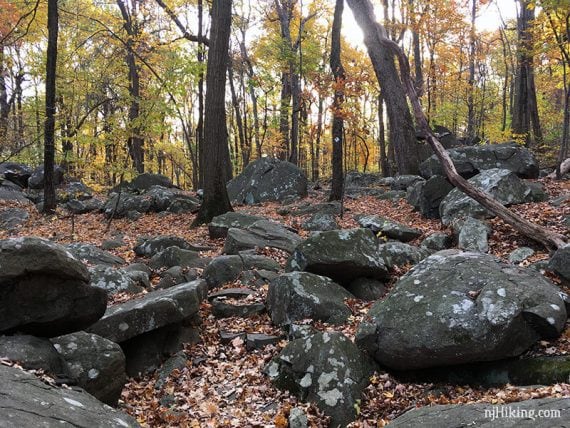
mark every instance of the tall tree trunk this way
{"type": "Point", "coordinates": [239, 124]}
{"type": "Point", "coordinates": [525, 109]}
{"type": "Point", "coordinates": [49, 132]}
{"type": "Point", "coordinates": [199, 170]}
{"type": "Point", "coordinates": [135, 141]}
{"type": "Point", "coordinates": [317, 149]}
{"type": "Point", "coordinates": [4, 104]}
{"type": "Point", "coordinates": [296, 98]}
{"type": "Point", "coordinates": [284, 115]}
{"type": "Point", "coordinates": [416, 45]}
{"type": "Point", "coordinates": [383, 158]}
{"type": "Point", "coordinates": [533, 231]}
{"type": "Point", "coordinates": [402, 131]}
{"type": "Point", "coordinates": [216, 159]}
{"type": "Point", "coordinates": [338, 123]}
{"type": "Point", "coordinates": [471, 81]}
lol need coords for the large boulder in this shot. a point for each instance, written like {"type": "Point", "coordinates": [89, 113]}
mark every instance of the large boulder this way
{"type": "Point", "coordinates": [36, 180]}
{"type": "Point", "coordinates": [224, 269]}
{"type": "Point", "coordinates": [262, 233]}
{"type": "Point", "coordinates": [343, 255]}
{"type": "Point", "coordinates": [148, 247]}
{"type": "Point", "coordinates": [146, 180]}
{"type": "Point", "coordinates": [400, 254]}
{"type": "Point", "coordinates": [44, 290]}
{"type": "Point", "coordinates": [33, 353]}
{"type": "Point", "coordinates": [176, 256]}
{"type": "Point", "coordinates": [93, 255]}
{"type": "Point", "coordinates": [114, 281]}
{"type": "Point", "coordinates": [560, 262]}
{"type": "Point", "coordinates": [95, 363]}
{"type": "Point", "coordinates": [12, 193]}
{"type": "Point", "coordinates": [471, 160]}
{"type": "Point", "coordinates": [426, 196]}
{"type": "Point", "coordinates": [219, 226]}
{"type": "Point", "coordinates": [388, 228]}
{"type": "Point", "coordinates": [26, 401]}
{"type": "Point", "coordinates": [299, 295]}
{"type": "Point", "coordinates": [16, 173]}
{"type": "Point", "coordinates": [267, 179]}
{"type": "Point", "coordinates": [459, 307]}
{"type": "Point", "coordinates": [11, 218]}
{"type": "Point", "coordinates": [326, 369]}
{"type": "Point", "coordinates": [524, 414]}
{"type": "Point", "coordinates": [502, 184]}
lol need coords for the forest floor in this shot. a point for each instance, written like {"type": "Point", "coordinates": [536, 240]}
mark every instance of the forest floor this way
{"type": "Point", "coordinates": [224, 384]}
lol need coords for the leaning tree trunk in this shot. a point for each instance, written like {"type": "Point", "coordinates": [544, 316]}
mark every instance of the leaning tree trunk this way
{"type": "Point", "coordinates": [550, 240]}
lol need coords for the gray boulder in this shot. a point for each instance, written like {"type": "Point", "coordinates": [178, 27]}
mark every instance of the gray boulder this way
{"type": "Point", "coordinates": [262, 233]}
{"type": "Point", "coordinates": [388, 228]}
{"type": "Point", "coordinates": [501, 184]}
{"type": "Point", "coordinates": [93, 255]}
{"type": "Point", "coordinates": [95, 363]}
{"type": "Point", "coordinates": [472, 234]}
{"type": "Point", "coordinates": [12, 193]}
{"type": "Point", "coordinates": [402, 182]}
{"type": "Point", "coordinates": [267, 179]}
{"type": "Point", "coordinates": [299, 295]}
{"type": "Point", "coordinates": [74, 190]}
{"type": "Point", "coordinates": [487, 415]}
{"type": "Point", "coordinates": [426, 196]}
{"type": "Point", "coordinates": [332, 207]}
{"type": "Point", "coordinates": [520, 255]}
{"type": "Point", "coordinates": [32, 353]}
{"type": "Point", "coordinates": [148, 247]}
{"type": "Point", "coordinates": [224, 269]}
{"type": "Point", "coordinates": [366, 289]}
{"type": "Point", "coordinates": [321, 222]}
{"type": "Point", "coordinates": [16, 173]}
{"type": "Point", "coordinates": [560, 262]}
{"type": "Point", "coordinates": [113, 280]}
{"type": "Point", "coordinates": [36, 180]}
{"type": "Point", "coordinates": [326, 369]}
{"type": "Point", "coordinates": [436, 242]}
{"type": "Point", "coordinates": [218, 227]}
{"type": "Point", "coordinates": [83, 207]}
{"type": "Point", "coordinates": [146, 180]}
{"type": "Point", "coordinates": [26, 401]}
{"type": "Point", "coordinates": [343, 255]}
{"type": "Point", "coordinates": [150, 312]}
{"type": "Point", "coordinates": [44, 290]}
{"type": "Point", "coordinates": [176, 256]}
{"type": "Point", "coordinates": [400, 254]}
{"type": "Point", "coordinates": [459, 307]}
{"type": "Point", "coordinates": [122, 204]}
{"type": "Point", "coordinates": [471, 160]}
{"type": "Point", "coordinates": [11, 218]}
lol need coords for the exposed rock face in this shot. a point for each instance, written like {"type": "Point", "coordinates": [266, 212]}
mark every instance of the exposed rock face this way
{"type": "Point", "coordinates": [267, 179]}
{"type": "Point", "coordinates": [326, 369]}
{"type": "Point", "coordinates": [299, 295]}
{"type": "Point", "coordinates": [485, 415]}
{"type": "Point", "coordinates": [343, 255]}
{"type": "Point", "coordinates": [44, 290]}
{"type": "Point", "coordinates": [501, 184]}
{"type": "Point", "coordinates": [25, 401]}
{"type": "Point", "coordinates": [97, 364]}
{"type": "Point", "coordinates": [459, 307]}
{"type": "Point", "coordinates": [471, 160]}
{"type": "Point", "coordinates": [262, 233]}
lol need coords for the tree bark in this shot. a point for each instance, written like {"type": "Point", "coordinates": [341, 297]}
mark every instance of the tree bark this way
{"type": "Point", "coordinates": [49, 130]}
{"type": "Point", "coordinates": [402, 131]}
{"type": "Point", "coordinates": [471, 81]}
{"type": "Point", "coordinates": [338, 122]}
{"type": "Point", "coordinates": [550, 240]}
{"type": "Point", "coordinates": [216, 159]}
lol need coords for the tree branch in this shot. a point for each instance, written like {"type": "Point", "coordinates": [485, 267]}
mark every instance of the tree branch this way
{"type": "Point", "coordinates": [180, 26]}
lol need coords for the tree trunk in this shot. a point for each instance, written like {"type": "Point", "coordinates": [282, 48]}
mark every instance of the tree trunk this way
{"type": "Point", "coordinates": [200, 126]}
{"type": "Point", "coordinates": [317, 149]}
{"type": "Point", "coordinates": [239, 124]}
{"type": "Point", "coordinates": [383, 158]}
{"type": "Point", "coordinates": [4, 104]}
{"type": "Point", "coordinates": [402, 131]}
{"type": "Point", "coordinates": [296, 97]}
{"type": "Point", "coordinates": [550, 240]}
{"type": "Point", "coordinates": [49, 132]}
{"type": "Point", "coordinates": [284, 115]}
{"type": "Point", "coordinates": [216, 159]}
{"type": "Point", "coordinates": [338, 123]}
{"type": "Point", "coordinates": [471, 81]}
{"type": "Point", "coordinates": [135, 141]}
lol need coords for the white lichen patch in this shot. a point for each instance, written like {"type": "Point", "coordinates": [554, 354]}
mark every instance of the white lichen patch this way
{"type": "Point", "coordinates": [551, 320]}
{"type": "Point", "coordinates": [555, 307]}
{"type": "Point", "coordinates": [306, 381]}
{"type": "Point", "coordinates": [501, 292]}
{"type": "Point", "coordinates": [73, 402]}
{"type": "Point", "coordinates": [429, 314]}
{"type": "Point", "coordinates": [332, 397]}
{"type": "Point", "coordinates": [462, 307]}
{"type": "Point", "coordinates": [93, 373]}
{"type": "Point", "coordinates": [417, 299]}
{"type": "Point", "coordinates": [123, 326]}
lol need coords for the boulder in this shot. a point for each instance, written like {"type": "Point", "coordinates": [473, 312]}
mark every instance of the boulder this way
{"type": "Point", "coordinates": [472, 234]}
{"type": "Point", "coordinates": [426, 196]}
{"type": "Point", "coordinates": [366, 289]}
{"type": "Point", "coordinates": [361, 179]}
{"type": "Point", "coordinates": [154, 310]}
{"type": "Point", "coordinates": [176, 256]}
{"type": "Point", "coordinates": [74, 190]}
{"type": "Point", "coordinates": [343, 255]}
{"type": "Point", "coordinates": [321, 222]}
{"type": "Point", "coordinates": [93, 255]}
{"type": "Point", "coordinates": [520, 255]}
{"type": "Point", "coordinates": [95, 363]}
{"type": "Point", "coordinates": [148, 247]}
{"type": "Point", "coordinates": [299, 295]}
{"type": "Point", "coordinates": [460, 307]}
{"type": "Point", "coordinates": [146, 180]}
{"type": "Point", "coordinates": [560, 262]}
{"type": "Point", "coordinates": [326, 369]}
{"type": "Point", "coordinates": [122, 204]}
{"type": "Point", "coordinates": [33, 353]}
{"type": "Point", "coordinates": [44, 290]}
{"type": "Point", "coordinates": [485, 415]}
{"type": "Point", "coordinates": [402, 182]}
{"type": "Point", "coordinates": [36, 180]}
{"type": "Point", "coordinates": [436, 242]}
{"type": "Point", "coordinates": [16, 173]}
{"type": "Point", "coordinates": [12, 193]}
{"type": "Point", "coordinates": [388, 228]}
{"type": "Point", "coordinates": [26, 401]}
{"type": "Point", "coordinates": [218, 227]}
{"type": "Point", "coordinates": [267, 179]}
{"type": "Point", "coordinates": [501, 184]}
{"type": "Point", "coordinates": [400, 254]}
{"type": "Point", "coordinates": [113, 280]}
{"type": "Point", "coordinates": [224, 269]}
{"type": "Point", "coordinates": [470, 161]}
{"type": "Point", "coordinates": [12, 218]}
{"type": "Point", "coordinates": [176, 275]}
{"type": "Point", "coordinates": [83, 207]}
{"type": "Point", "coordinates": [221, 309]}
{"type": "Point", "coordinates": [262, 233]}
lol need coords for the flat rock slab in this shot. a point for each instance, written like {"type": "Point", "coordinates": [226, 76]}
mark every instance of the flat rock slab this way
{"type": "Point", "coordinates": [262, 233]}
{"type": "Point", "coordinates": [154, 310]}
{"type": "Point", "coordinates": [487, 415]}
{"type": "Point", "coordinates": [220, 309]}
{"type": "Point", "coordinates": [231, 293]}
{"type": "Point", "coordinates": [219, 226]}
{"type": "Point", "coordinates": [25, 401]}
{"type": "Point", "coordinates": [93, 255]}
